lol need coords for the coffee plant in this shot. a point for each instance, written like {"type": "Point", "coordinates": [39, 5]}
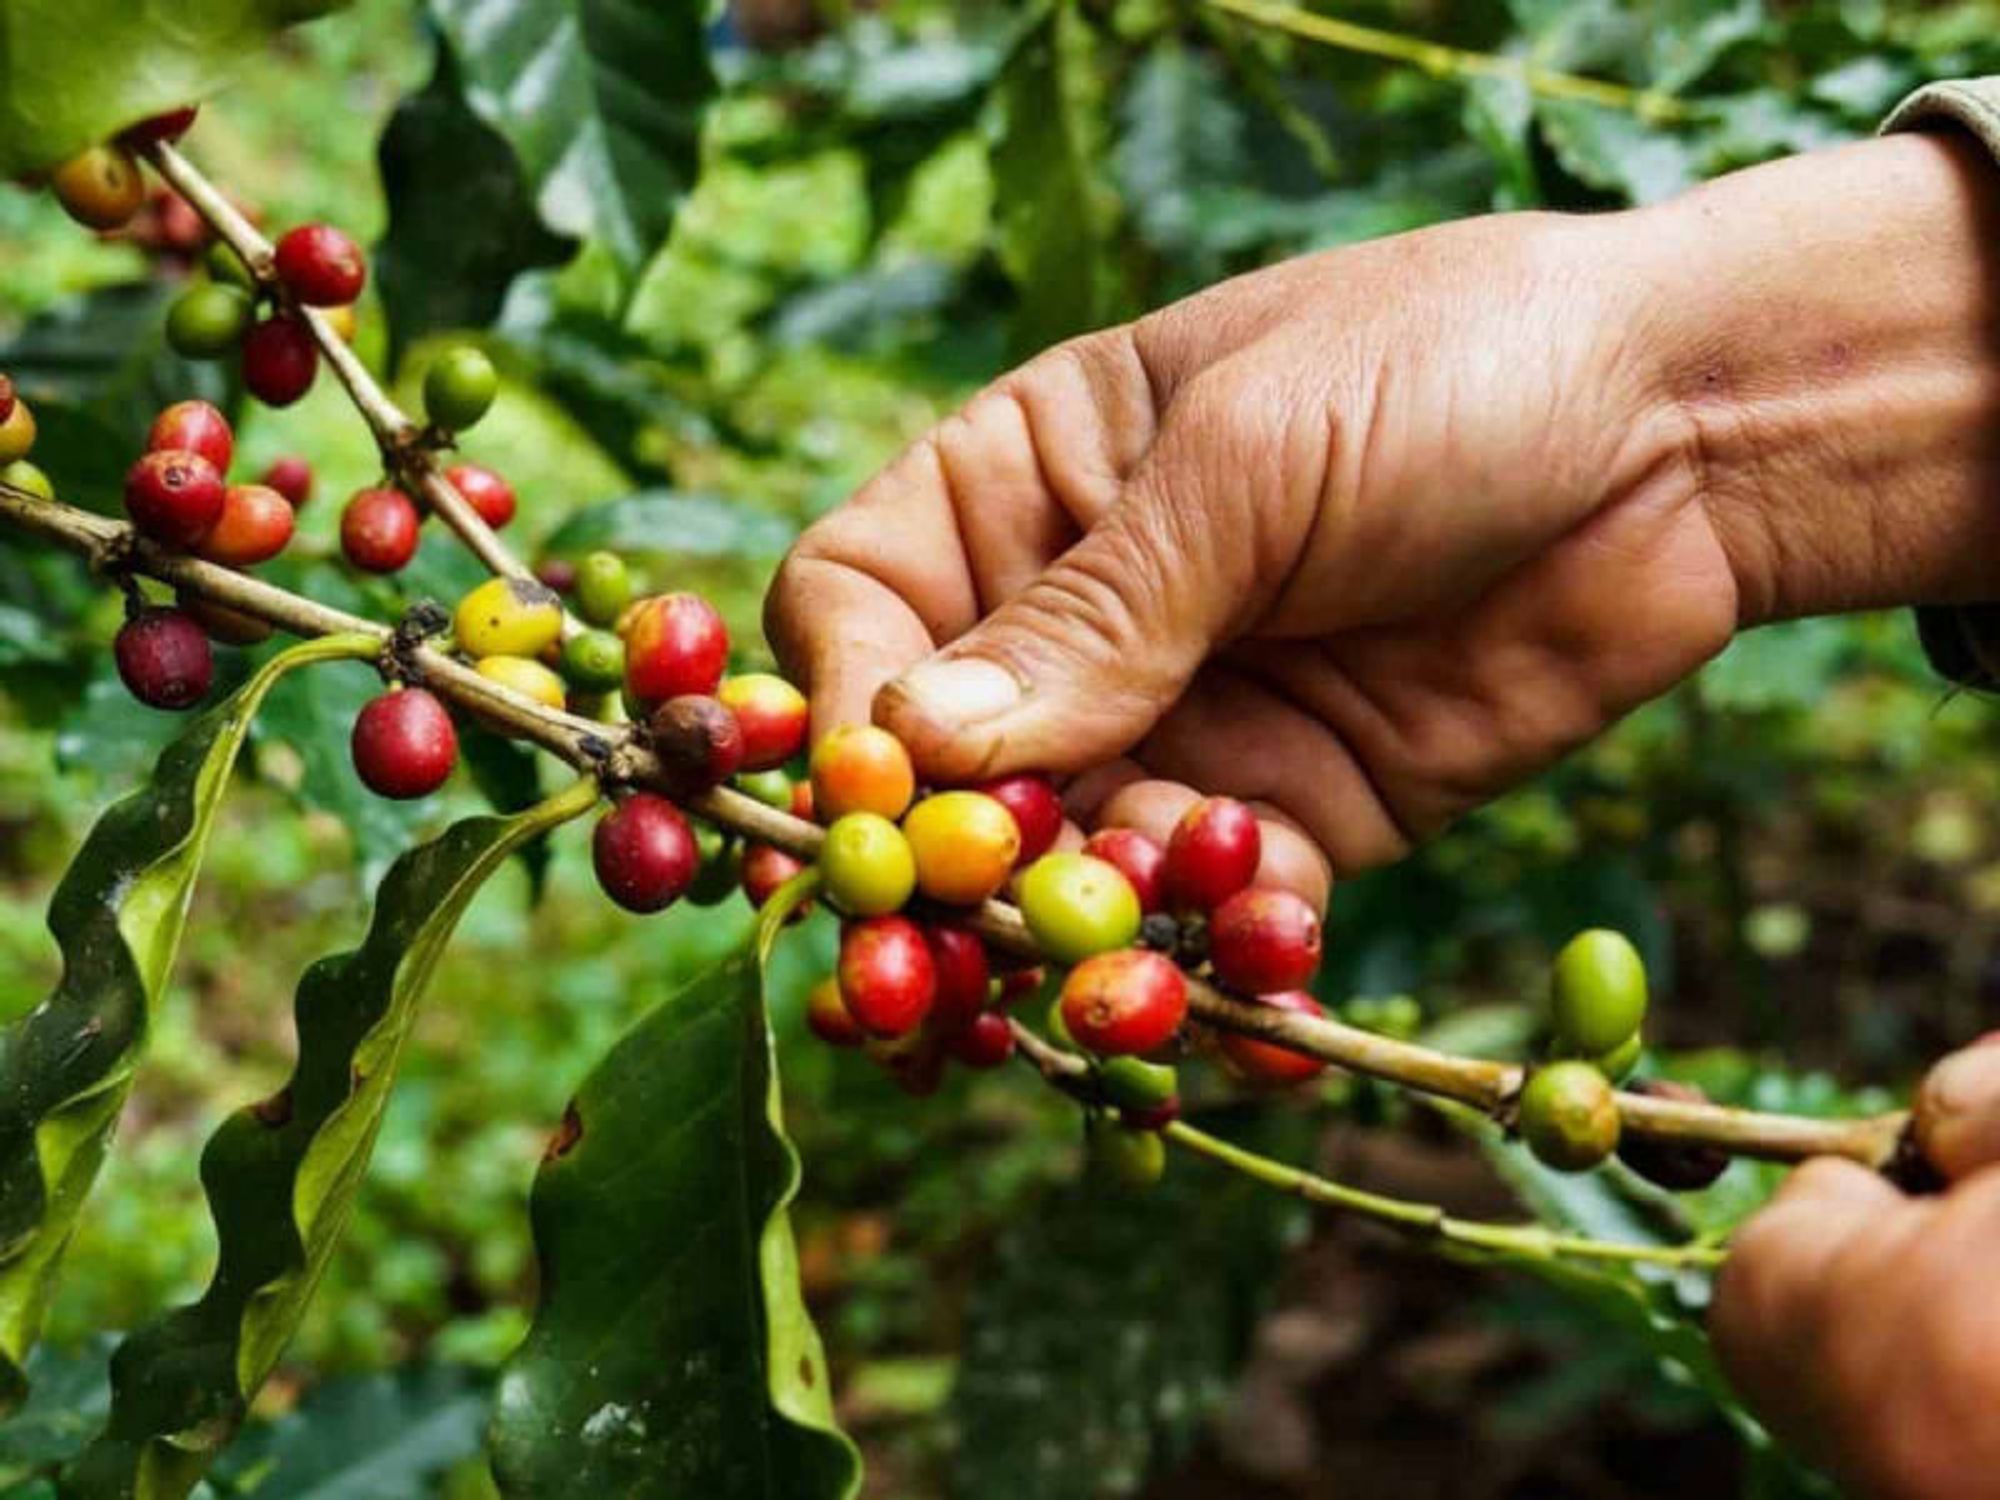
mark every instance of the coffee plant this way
{"type": "Point", "coordinates": [558, 234]}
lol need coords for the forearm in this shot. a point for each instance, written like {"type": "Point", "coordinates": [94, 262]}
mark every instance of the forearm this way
{"type": "Point", "coordinates": [1830, 326]}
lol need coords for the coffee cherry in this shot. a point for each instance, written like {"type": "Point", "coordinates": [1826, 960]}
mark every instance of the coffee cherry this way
{"type": "Point", "coordinates": [173, 497]}
{"type": "Point", "coordinates": [1036, 807]}
{"type": "Point", "coordinates": [964, 975]}
{"type": "Point", "coordinates": [966, 844]}
{"type": "Point", "coordinates": [227, 626]}
{"type": "Point", "coordinates": [674, 644]}
{"type": "Point", "coordinates": [17, 432]}
{"type": "Point", "coordinates": [886, 975]}
{"type": "Point", "coordinates": [1569, 1116]}
{"type": "Point", "coordinates": [772, 788]}
{"type": "Point", "coordinates": [255, 526]}
{"type": "Point", "coordinates": [721, 873]}
{"type": "Point", "coordinates": [1124, 1002]}
{"type": "Point", "coordinates": [1618, 1063]}
{"type": "Point", "coordinates": [342, 322]}
{"type": "Point", "coordinates": [280, 360]}
{"type": "Point", "coordinates": [193, 427]}
{"type": "Point", "coordinates": [23, 475]}
{"type": "Point", "coordinates": [595, 660]}
{"type": "Point", "coordinates": [206, 322]}
{"type": "Point", "coordinates": [1597, 993]}
{"type": "Point", "coordinates": [320, 266]}
{"type": "Point", "coordinates": [404, 744]}
{"type": "Point", "coordinates": [164, 659]}
{"type": "Point", "coordinates": [226, 268]}
{"type": "Point", "coordinates": [603, 588]}
{"type": "Point", "coordinates": [1077, 906]}
{"type": "Point", "coordinates": [1018, 984]}
{"type": "Point", "coordinates": [1266, 1062]}
{"type": "Point", "coordinates": [1056, 1026]}
{"type": "Point", "coordinates": [986, 1043]}
{"type": "Point", "coordinates": [1213, 854]}
{"type": "Point", "coordinates": [527, 677]}
{"type": "Point", "coordinates": [508, 617]}
{"type": "Point", "coordinates": [867, 865]}
{"type": "Point", "coordinates": [697, 741]}
{"type": "Point", "coordinates": [826, 1014]}
{"type": "Point", "coordinates": [802, 800]}
{"type": "Point", "coordinates": [773, 714]}
{"type": "Point", "coordinates": [1264, 940]}
{"type": "Point", "coordinates": [557, 574]}
{"type": "Point", "coordinates": [860, 768]}
{"type": "Point", "coordinates": [1134, 1084]}
{"type": "Point", "coordinates": [291, 477]}
{"type": "Point", "coordinates": [765, 869]}
{"type": "Point", "coordinates": [378, 531]}
{"type": "Point", "coordinates": [1134, 856]}
{"type": "Point", "coordinates": [486, 492]}
{"type": "Point", "coordinates": [101, 187]}
{"type": "Point", "coordinates": [644, 853]}
{"type": "Point", "coordinates": [167, 126]}
{"type": "Point", "coordinates": [1676, 1166]}
{"type": "Point", "coordinates": [914, 1061]}
{"type": "Point", "coordinates": [459, 387]}
{"type": "Point", "coordinates": [1124, 1158]}
{"type": "Point", "coordinates": [8, 397]}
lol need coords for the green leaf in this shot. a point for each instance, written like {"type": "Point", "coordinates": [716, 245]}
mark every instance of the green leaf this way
{"type": "Point", "coordinates": [1182, 138]}
{"type": "Point", "coordinates": [508, 775]}
{"type": "Point", "coordinates": [73, 72]}
{"type": "Point", "coordinates": [66, 1066]}
{"type": "Point", "coordinates": [1058, 214]}
{"type": "Point", "coordinates": [443, 168]}
{"type": "Point", "coordinates": [281, 1175]}
{"type": "Point", "coordinates": [670, 521]}
{"type": "Point", "coordinates": [602, 102]}
{"type": "Point", "coordinates": [672, 1353]}
{"type": "Point", "coordinates": [70, 1391]}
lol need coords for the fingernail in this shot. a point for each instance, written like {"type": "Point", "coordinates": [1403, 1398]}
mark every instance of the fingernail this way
{"type": "Point", "coordinates": [958, 693]}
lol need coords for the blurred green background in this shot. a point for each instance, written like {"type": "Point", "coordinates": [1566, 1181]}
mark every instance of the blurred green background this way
{"type": "Point", "coordinates": [1801, 840]}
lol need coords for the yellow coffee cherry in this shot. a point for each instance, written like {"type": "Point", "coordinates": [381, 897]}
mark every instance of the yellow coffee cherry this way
{"type": "Point", "coordinates": [965, 844]}
{"type": "Point", "coordinates": [528, 678]}
{"type": "Point", "coordinates": [17, 433]}
{"type": "Point", "coordinates": [508, 617]}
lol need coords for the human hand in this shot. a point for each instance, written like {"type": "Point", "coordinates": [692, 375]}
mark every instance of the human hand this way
{"type": "Point", "coordinates": [1368, 537]}
{"type": "Point", "coordinates": [1861, 1323]}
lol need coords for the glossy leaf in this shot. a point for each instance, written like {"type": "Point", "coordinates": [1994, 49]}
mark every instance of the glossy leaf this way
{"type": "Point", "coordinates": [672, 1353]}
{"type": "Point", "coordinates": [601, 101]}
{"type": "Point", "coordinates": [140, 56]}
{"type": "Point", "coordinates": [66, 1066]}
{"type": "Point", "coordinates": [281, 1174]}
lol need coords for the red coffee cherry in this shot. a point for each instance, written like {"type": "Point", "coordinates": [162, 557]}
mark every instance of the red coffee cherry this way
{"type": "Point", "coordinates": [194, 427]}
{"type": "Point", "coordinates": [279, 360]}
{"type": "Point", "coordinates": [915, 1061]}
{"type": "Point", "coordinates": [644, 853]}
{"type": "Point", "coordinates": [7, 399]}
{"type": "Point", "coordinates": [887, 977]}
{"type": "Point", "coordinates": [986, 1043]}
{"type": "Point", "coordinates": [963, 976]}
{"type": "Point", "coordinates": [1267, 1062]}
{"type": "Point", "coordinates": [173, 497]}
{"type": "Point", "coordinates": [169, 125]}
{"type": "Point", "coordinates": [485, 491]}
{"type": "Point", "coordinates": [826, 1014]}
{"type": "Point", "coordinates": [1134, 856]}
{"type": "Point", "coordinates": [1036, 806]}
{"type": "Point", "coordinates": [802, 800]}
{"type": "Point", "coordinates": [1264, 940]}
{"type": "Point", "coordinates": [698, 742]}
{"type": "Point", "coordinates": [378, 530]}
{"type": "Point", "coordinates": [164, 659]}
{"type": "Point", "coordinates": [773, 714]}
{"type": "Point", "coordinates": [675, 644]}
{"type": "Point", "coordinates": [291, 477]}
{"type": "Point", "coordinates": [1213, 854]}
{"type": "Point", "coordinates": [765, 868]}
{"type": "Point", "coordinates": [404, 744]}
{"type": "Point", "coordinates": [255, 526]}
{"type": "Point", "coordinates": [556, 573]}
{"type": "Point", "coordinates": [1129, 1001]}
{"type": "Point", "coordinates": [320, 265]}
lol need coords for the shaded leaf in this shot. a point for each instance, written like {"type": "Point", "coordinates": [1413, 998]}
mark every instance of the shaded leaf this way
{"type": "Point", "coordinates": [670, 521]}
{"type": "Point", "coordinates": [672, 1353]}
{"type": "Point", "coordinates": [69, 1393]}
{"type": "Point", "coordinates": [281, 1175]}
{"type": "Point", "coordinates": [66, 1066]}
{"type": "Point", "coordinates": [508, 776]}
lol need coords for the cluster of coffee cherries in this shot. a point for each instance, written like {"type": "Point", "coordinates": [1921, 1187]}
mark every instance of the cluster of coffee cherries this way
{"type": "Point", "coordinates": [1568, 1110]}
{"type": "Point", "coordinates": [17, 441]}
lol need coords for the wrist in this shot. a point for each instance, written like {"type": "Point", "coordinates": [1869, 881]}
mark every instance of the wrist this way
{"type": "Point", "coordinates": [1828, 327]}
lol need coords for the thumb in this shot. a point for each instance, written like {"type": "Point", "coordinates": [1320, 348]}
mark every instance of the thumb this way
{"type": "Point", "coordinates": [1956, 1119]}
{"type": "Point", "coordinates": [1078, 666]}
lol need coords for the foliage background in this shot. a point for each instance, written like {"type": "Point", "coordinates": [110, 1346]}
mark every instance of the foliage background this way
{"type": "Point", "coordinates": [873, 223]}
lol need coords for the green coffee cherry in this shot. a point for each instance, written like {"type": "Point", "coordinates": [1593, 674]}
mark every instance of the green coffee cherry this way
{"type": "Point", "coordinates": [1057, 1027]}
{"type": "Point", "coordinates": [1124, 1158]}
{"type": "Point", "coordinates": [1077, 906]}
{"type": "Point", "coordinates": [867, 865]}
{"type": "Point", "coordinates": [459, 387]}
{"type": "Point", "coordinates": [594, 660]}
{"type": "Point", "coordinates": [1134, 1083]}
{"type": "Point", "coordinates": [26, 476]}
{"type": "Point", "coordinates": [226, 268]}
{"type": "Point", "coordinates": [1597, 994]}
{"type": "Point", "coordinates": [1618, 1063]}
{"type": "Point", "coordinates": [603, 588]}
{"type": "Point", "coordinates": [207, 322]}
{"type": "Point", "coordinates": [721, 873]}
{"type": "Point", "coordinates": [772, 788]}
{"type": "Point", "coordinates": [1569, 1116]}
